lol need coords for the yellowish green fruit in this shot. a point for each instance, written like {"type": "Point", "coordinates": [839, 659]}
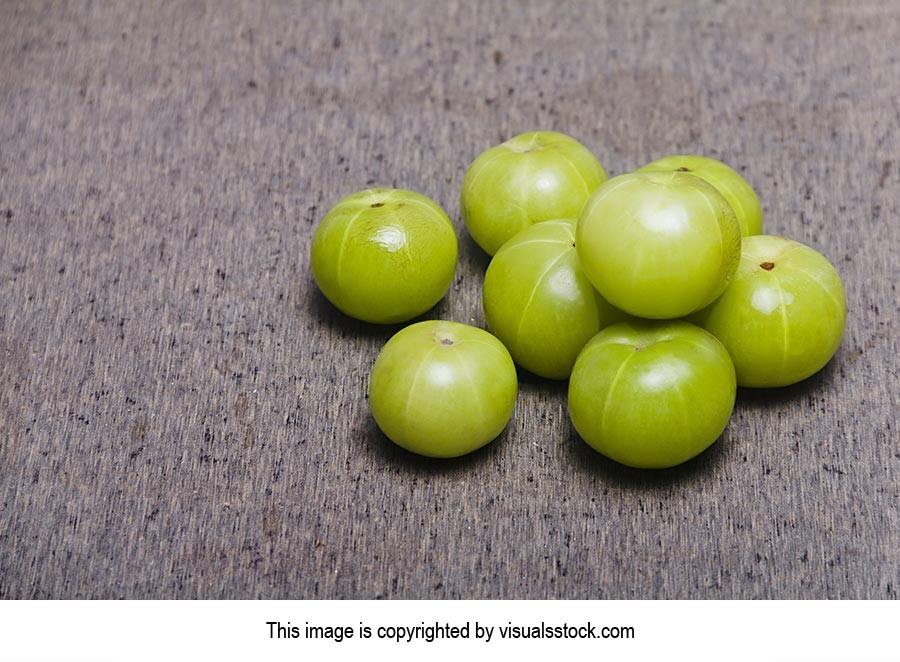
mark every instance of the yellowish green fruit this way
{"type": "Point", "coordinates": [528, 179]}
{"type": "Point", "coordinates": [384, 255]}
{"type": "Point", "coordinates": [726, 180]}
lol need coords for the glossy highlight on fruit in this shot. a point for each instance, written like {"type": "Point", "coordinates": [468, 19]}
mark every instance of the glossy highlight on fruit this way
{"type": "Point", "coordinates": [384, 255]}
{"type": "Point", "coordinates": [442, 389]}
{"type": "Point", "coordinates": [530, 178]}
{"type": "Point", "coordinates": [726, 180]}
{"type": "Point", "coordinates": [538, 301]}
{"type": "Point", "coordinates": [652, 394]}
{"type": "Point", "coordinates": [658, 244]}
{"type": "Point", "coordinates": [783, 315]}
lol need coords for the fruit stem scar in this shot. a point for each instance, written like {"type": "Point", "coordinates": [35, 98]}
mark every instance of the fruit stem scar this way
{"type": "Point", "coordinates": [768, 266]}
{"type": "Point", "coordinates": [375, 205]}
{"type": "Point", "coordinates": [682, 169]}
{"type": "Point", "coordinates": [446, 341]}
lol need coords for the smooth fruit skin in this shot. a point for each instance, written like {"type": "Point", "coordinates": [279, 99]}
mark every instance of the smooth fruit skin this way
{"type": "Point", "coordinates": [538, 301]}
{"type": "Point", "coordinates": [530, 178]}
{"type": "Point", "coordinates": [728, 182]}
{"type": "Point", "coordinates": [783, 315]}
{"type": "Point", "coordinates": [652, 395]}
{"type": "Point", "coordinates": [442, 389]}
{"type": "Point", "coordinates": [658, 245]}
{"type": "Point", "coordinates": [384, 255]}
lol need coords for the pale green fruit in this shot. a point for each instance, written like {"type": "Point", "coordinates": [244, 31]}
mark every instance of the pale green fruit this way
{"type": "Point", "coordinates": [442, 389]}
{"type": "Point", "coordinates": [652, 394]}
{"type": "Point", "coordinates": [658, 244]}
{"type": "Point", "coordinates": [538, 301]}
{"type": "Point", "coordinates": [384, 255]}
{"type": "Point", "coordinates": [728, 182]}
{"type": "Point", "coordinates": [783, 315]}
{"type": "Point", "coordinates": [531, 178]}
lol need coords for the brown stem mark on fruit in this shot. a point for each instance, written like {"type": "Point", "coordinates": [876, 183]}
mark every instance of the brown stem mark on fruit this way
{"type": "Point", "coordinates": [375, 205]}
{"type": "Point", "coordinates": [768, 266]}
{"type": "Point", "coordinates": [682, 169]}
{"type": "Point", "coordinates": [446, 341]}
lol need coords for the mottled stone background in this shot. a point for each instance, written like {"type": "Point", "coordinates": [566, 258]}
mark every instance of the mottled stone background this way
{"type": "Point", "coordinates": [183, 415]}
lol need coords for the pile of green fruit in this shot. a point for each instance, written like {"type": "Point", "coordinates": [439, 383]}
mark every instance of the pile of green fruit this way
{"type": "Point", "coordinates": [653, 292]}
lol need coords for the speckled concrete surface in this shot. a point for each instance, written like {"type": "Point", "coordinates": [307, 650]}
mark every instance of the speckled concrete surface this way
{"type": "Point", "coordinates": [183, 415]}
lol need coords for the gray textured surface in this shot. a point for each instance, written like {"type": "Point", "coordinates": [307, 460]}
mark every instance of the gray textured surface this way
{"type": "Point", "coordinates": [183, 415]}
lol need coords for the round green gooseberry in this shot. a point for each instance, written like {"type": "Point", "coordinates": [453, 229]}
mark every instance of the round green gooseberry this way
{"type": "Point", "coordinates": [652, 394]}
{"type": "Point", "coordinates": [658, 244]}
{"type": "Point", "coordinates": [783, 315]}
{"type": "Point", "coordinates": [384, 255]}
{"type": "Point", "coordinates": [728, 182]}
{"type": "Point", "coordinates": [442, 389]}
{"type": "Point", "coordinates": [530, 178]}
{"type": "Point", "coordinates": [538, 301]}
